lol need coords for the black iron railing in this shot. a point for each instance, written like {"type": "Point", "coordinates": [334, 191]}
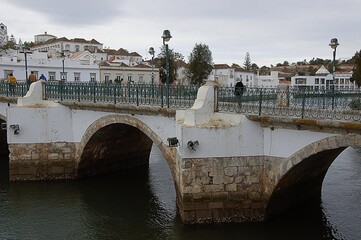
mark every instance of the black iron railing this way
{"type": "Point", "coordinates": [339, 104]}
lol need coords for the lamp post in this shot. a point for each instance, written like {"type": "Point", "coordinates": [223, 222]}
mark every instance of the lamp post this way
{"type": "Point", "coordinates": [62, 73]}
{"type": "Point", "coordinates": [333, 44]}
{"type": "Point", "coordinates": [166, 37]}
{"type": "Point", "coordinates": [25, 49]}
{"type": "Point", "coordinates": [151, 52]}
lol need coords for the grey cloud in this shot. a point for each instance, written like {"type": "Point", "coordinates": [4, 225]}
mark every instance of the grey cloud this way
{"type": "Point", "coordinates": [72, 12]}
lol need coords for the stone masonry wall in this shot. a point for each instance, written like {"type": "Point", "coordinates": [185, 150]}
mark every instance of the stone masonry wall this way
{"type": "Point", "coordinates": [221, 190]}
{"type": "Point", "coordinates": [42, 161]}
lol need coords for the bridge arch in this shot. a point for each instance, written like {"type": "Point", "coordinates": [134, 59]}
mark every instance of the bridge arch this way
{"type": "Point", "coordinates": [302, 175]}
{"type": "Point", "coordinates": [4, 148]}
{"type": "Point", "coordinates": [124, 137]}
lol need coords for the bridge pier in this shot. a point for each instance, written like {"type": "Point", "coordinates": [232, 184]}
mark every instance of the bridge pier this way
{"type": "Point", "coordinates": [222, 190]}
{"type": "Point", "coordinates": [42, 161]}
{"type": "Point", "coordinates": [218, 181]}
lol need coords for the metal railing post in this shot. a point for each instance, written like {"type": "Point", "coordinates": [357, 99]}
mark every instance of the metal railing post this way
{"type": "Point", "coordinates": [260, 103]}
{"type": "Point", "coordinates": [303, 105]}
{"type": "Point", "coordinates": [137, 93]}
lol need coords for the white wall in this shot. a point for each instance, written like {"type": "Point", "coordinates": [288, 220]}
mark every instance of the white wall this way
{"type": "Point", "coordinates": [17, 66]}
{"type": "Point", "coordinates": [271, 80]}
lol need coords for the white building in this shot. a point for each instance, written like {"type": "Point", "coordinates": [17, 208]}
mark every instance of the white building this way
{"type": "Point", "coordinates": [61, 45]}
{"type": "Point", "coordinates": [223, 74]}
{"type": "Point", "coordinates": [4, 38]}
{"type": "Point", "coordinates": [229, 76]}
{"type": "Point", "coordinates": [247, 77]}
{"type": "Point", "coordinates": [323, 79]}
{"type": "Point", "coordinates": [120, 72]}
{"type": "Point", "coordinates": [123, 56]}
{"type": "Point", "coordinates": [181, 73]}
{"type": "Point", "coordinates": [40, 38]}
{"type": "Point", "coordinates": [74, 69]}
{"type": "Point", "coordinates": [268, 81]}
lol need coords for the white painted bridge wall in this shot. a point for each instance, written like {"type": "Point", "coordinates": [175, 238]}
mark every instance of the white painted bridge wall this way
{"type": "Point", "coordinates": [219, 135]}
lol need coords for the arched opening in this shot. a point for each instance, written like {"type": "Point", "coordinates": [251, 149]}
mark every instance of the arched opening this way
{"type": "Point", "coordinates": [4, 153]}
{"type": "Point", "coordinates": [113, 147]}
{"type": "Point", "coordinates": [301, 183]}
{"type": "Point", "coordinates": [4, 148]}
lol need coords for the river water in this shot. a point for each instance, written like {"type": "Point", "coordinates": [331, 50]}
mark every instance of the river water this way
{"type": "Point", "coordinates": [141, 204]}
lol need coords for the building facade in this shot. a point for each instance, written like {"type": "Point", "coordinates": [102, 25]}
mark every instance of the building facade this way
{"type": "Point", "coordinates": [223, 74]}
{"type": "Point", "coordinates": [324, 80]}
{"type": "Point", "coordinates": [268, 81]}
{"type": "Point", "coordinates": [123, 56]}
{"type": "Point", "coordinates": [229, 76]}
{"type": "Point", "coordinates": [67, 69]}
{"type": "Point", "coordinates": [40, 38]}
{"type": "Point", "coordinates": [61, 45]}
{"type": "Point", "coordinates": [247, 77]}
{"type": "Point", "coordinates": [4, 38]}
{"type": "Point", "coordinates": [123, 73]}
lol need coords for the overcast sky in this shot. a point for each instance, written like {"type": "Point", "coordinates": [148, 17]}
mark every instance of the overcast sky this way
{"type": "Point", "coordinates": [272, 31]}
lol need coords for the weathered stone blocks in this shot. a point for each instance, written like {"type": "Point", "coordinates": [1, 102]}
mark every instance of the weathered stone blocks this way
{"type": "Point", "coordinates": [42, 161]}
{"type": "Point", "coordinates": [228, 189]}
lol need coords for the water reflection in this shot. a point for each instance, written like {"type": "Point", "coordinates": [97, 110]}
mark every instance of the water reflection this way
{"type": "Point", "coordinates": [141, 204]}
{"type": "Point", "coordinates": [123, 205]}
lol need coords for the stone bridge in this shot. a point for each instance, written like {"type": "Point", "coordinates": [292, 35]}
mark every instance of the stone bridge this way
{"type": "Point", "coordinates": [225, 167]}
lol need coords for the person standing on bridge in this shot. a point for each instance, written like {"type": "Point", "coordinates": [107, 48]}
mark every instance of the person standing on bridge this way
{"type": "Point", "coordinates": [12, 82]}
{"type": "Point", "coordinates": [32, 78]}
{"type": "Point", "coordinates": [238, 91]}
{"type": "Point", "coordinates": [42, 77]}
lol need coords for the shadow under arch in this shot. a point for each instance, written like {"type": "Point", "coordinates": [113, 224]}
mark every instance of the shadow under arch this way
{"type": "Point", "coordinates": [4, 147]}
{"type": "Point", "coordinates": [306, 169]}
{"type": "Point", "coordinates": [117, 142]}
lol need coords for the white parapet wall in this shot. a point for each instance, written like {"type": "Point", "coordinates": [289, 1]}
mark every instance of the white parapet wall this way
{"type": "Point", "coordinates": [218, 134]}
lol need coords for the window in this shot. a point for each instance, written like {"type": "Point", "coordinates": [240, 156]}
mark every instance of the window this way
{"type": "Point", "coordinates": [322, 81]}
{"type": "Point", "coordinates": [300, 80]}
{"type": "Point", "coordinates": [93, 77]}
{"type": "Point", "coordinates": [51, 76]}
{"type": "Point", "coordinates": [118, 77]}
{"type": "Point", "coordinates": [76, 76]}
{"type": "Point", "coordinates": [7, 72]}
{"type": "Point", "coordinates": [63, 76]}
{"type": "Point", "coordinates": [77, 48]}
{"type": "Point", "coordinates": [67, 47]}
{"type": "Point", "coordinates": [317, 81]}
{"type": "Point", "coordinates": [141, 80]}
{"type": "Point", "coordinates": [107, 78]}
{"type": "Point", "coordinates": [130, 78]}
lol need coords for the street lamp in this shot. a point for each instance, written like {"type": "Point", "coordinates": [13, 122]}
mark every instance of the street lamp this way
{"type": "Point", "coordinates": [151, 52]}
{"type": "Point", "coordinates": [166, 37]}
{"type": "Point", "coordinates": [333, 44]}
{"type": "Point", "coordinates": [62, 74]}
{"type": "Point", "coordinates": [25, 49]}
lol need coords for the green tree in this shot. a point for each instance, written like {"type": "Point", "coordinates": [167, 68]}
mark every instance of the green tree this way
{"type": "Point", "coordinates": [161, 64]}
{"type": "Point", "coordinates": [8, 45]}
{"type": "Point", "coordinates": [254, 67]}
{"type": "Point", "coordinates": [356, 75]}
{"type": "Point", "coordinates": [200, 64]}
{"type": "Point", "coordinates": [247, 62]}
